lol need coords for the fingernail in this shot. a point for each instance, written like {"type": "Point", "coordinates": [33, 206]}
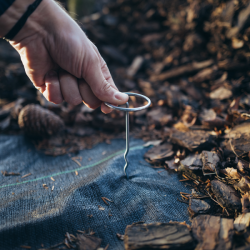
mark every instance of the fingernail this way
{"type": "Point", "coordinates": [121, 96]}
{"type": "Point", "coordinates": [52, 73]}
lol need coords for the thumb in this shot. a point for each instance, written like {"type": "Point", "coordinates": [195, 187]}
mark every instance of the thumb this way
{"type": "Point", "coordinates": [102, 85]}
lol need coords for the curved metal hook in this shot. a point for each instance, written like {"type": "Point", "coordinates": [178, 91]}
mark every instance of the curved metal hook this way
{"type": "Point", "coordinates": [127, 110]}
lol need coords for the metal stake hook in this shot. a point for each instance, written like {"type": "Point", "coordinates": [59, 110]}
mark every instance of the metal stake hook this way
{"type": "Point", "coordinates": [127, 140]}
{"type": "Point", "coordinates": [127, 110]}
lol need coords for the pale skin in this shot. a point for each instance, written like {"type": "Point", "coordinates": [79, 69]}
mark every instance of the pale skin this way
{"type": "Point", "coordinates": [62, 63]}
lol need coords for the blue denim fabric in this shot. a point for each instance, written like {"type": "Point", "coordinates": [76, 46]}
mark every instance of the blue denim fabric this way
{"type": "Point", "coordinates": [32, 215]}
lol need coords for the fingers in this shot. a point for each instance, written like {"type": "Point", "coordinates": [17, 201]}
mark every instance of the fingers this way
{"type": "Point", "coordinates": [100, 81]}
{"type": "Point", "coordinates": [51, 90]}
{"type": "Point", "coordinates": [69, 88]}
{"type": "Point", "coordinates": [105, 109]}
{"type": "Point", "coordinates": [90, 99]}
{"type": "Point", "coordinates": [87, 95]}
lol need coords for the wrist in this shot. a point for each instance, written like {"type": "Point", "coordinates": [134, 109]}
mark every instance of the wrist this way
{"type": "Point", "coordinates": [23, 19]}
{"type": "Point", "coordinates": [44, 21]}
{"type": "Point", "coordinates": [11, 16]}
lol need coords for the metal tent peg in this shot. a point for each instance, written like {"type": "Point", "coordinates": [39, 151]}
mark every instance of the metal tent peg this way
{"type": "Point", "coordinates": [127, 110]}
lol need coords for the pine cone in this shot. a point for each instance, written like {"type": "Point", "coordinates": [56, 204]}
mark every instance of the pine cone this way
{"type": "Point", "coordinates": [37, 121]}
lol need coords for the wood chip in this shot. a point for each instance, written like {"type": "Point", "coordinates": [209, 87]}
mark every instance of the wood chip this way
{"type": "Point", "coordinates": [192, 140]}
{"type": "Point", "coordinates": [158, 236]}
{"type": "Point", "coordinates": [211, 162]}
{"type": "Point", "coordinates": [198, 206]}
{"type": "Point", "coordinates": [242, 222]}
{"type": "Point", "coordinates": [159, 153]}
{"type": "Point", "coordinates": [87, 242]}
{"type": "Point", "coordinates": [226, 195]}
{"type": "Point", "coordinates": [193, 162]}
{"type": "Point", "coordinates": [213, 232]}
{"type": "Point", "coordinates": [245, 201]}
{"type": "Point", "coordinates": [221, 93]}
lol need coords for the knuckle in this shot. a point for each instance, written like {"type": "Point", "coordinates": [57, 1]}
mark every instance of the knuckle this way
{"type": "Point", "coordinates": [104, 66]}
{"type": "Point", "coordinates": [106, 86]}
{"type": "Point", "coordinates": [94, 59]}
{"type": "Point", "coordinates": [109, 77]}
{"type": "Point", "coordinates": [89, 65]}
{"type": "Point", "coordinates": [104, 89]}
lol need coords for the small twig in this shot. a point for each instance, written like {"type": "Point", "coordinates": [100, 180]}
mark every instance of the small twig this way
{"type": "Point", "coordinates": [76, 161]}
{"type": "Point", "coordinates": [105, 200]}
{"type": "Point", "coordinates": [82, 232]}
{"type": "Point", "coordinates": [183, 196]}
{"type": "Point", "coordinates": [185, 180]}
{"type": "Point", "coordinates": [182, 201]}
{"type": "Point", "coordinates": [26, 175]}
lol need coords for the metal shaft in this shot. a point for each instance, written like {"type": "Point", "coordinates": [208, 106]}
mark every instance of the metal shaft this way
{"type": "Point", "coordinates": [127, 140]}
{"type": "Point", "coordinates": [127, 110]}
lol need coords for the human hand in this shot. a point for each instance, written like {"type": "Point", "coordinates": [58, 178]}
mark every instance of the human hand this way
{"type": "Point", "coordinates": [62, 62]}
